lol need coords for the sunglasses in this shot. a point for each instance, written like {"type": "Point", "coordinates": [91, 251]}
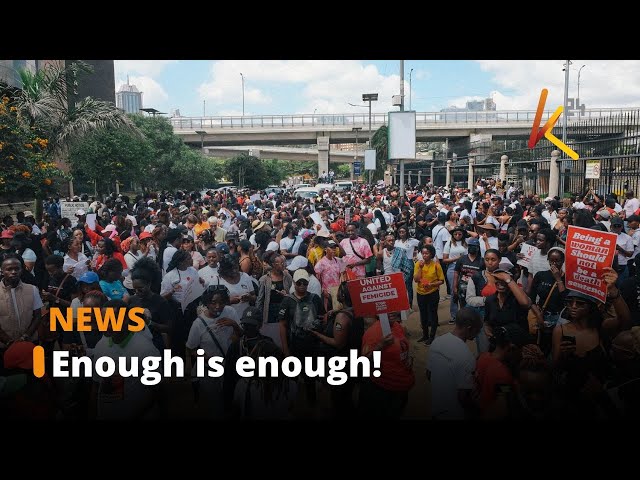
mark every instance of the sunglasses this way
{"type": "Point", "coordinates": [302, 282]}
{"type": "Point", "coordinates": [217, 288]}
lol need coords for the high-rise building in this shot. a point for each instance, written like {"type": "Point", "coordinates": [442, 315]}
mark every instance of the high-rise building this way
{"type": "Point", "coordinates": [129, 98]}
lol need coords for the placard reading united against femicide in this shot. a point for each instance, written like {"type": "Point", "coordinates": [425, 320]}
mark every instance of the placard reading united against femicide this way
{"type": "Point", "coordinates": [379, 294]}
{"type": "Point", "coordinates": [588, 252]}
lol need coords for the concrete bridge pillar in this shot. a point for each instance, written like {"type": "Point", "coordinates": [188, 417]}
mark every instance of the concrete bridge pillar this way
{"type": "Point", "coordinates": [323, 155]}
{"type": "Point", "coordinates": [432, 173]}
{"type": "Point", "coordinates": [470, 174]}
{"type": "Point", "coordinates": [448, 179]}
{"type": "Point", "coordinates": [503, 168]}
{"type": "Point", "coordinates": [554, 174]}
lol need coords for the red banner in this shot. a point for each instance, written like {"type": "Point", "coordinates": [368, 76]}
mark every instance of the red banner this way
{"type": "Point", "coordinates": [587, 253]}
{"type": "Point", "coordinates": [380, 294]}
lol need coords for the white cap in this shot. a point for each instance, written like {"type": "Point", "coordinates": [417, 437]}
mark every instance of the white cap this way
{"type": "Point", "coordinates": [273, 247]}
{"type": "Point", "coordinates": [80, 212]}
{"type": "Point", "coordinates": [297, 263]}
{"type": "Point", "coordinates": [110, 228]}
{"type": "Point", "coordinates": [300, 275]}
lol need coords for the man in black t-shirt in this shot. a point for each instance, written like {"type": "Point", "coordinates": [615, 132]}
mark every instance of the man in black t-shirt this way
{"type": "Point", "coordinates": [466, 267]}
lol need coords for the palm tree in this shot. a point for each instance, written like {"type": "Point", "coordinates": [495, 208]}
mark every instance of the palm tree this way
{"type": "Point", "coordinates": [43, 104]}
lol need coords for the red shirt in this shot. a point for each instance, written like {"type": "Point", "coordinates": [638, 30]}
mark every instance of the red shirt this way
{"type": "Point", "coordinates": [490, 372]}
{"type": "Point", "coordinates": [396, 376]}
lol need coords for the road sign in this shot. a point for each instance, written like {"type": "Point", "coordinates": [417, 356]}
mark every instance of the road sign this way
{"type": "Point", "coordinates": [356, 168]}
{"type": "Point", "coordinates": [592, 169]}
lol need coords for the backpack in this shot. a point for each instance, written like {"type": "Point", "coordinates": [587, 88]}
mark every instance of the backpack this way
{"type": "Point", "coordinates": [305, 319]}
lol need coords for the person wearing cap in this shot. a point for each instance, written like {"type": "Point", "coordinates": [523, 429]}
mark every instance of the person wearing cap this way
{"type": "Point", "coordinates": [487, 234]}
{"type": "Point", "coordinates": [300, 313]}
{"type": "Point", "coordinates": [300, 262]}
{"type": "Point", "coordinates": [578, 351]}
{"type": "Point", "coordinates": [20, 304]}
{"type": "Point", "coordinates": [604, 217]}
{"type": "Point", "coordinates": [496, 369]}
{"type": "Point", "coordinates": [624, 248]}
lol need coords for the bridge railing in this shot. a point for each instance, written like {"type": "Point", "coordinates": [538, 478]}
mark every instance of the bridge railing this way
{"type": "Point", "coordinates": [378, 119]}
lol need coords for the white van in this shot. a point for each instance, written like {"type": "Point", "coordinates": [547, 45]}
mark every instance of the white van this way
{"type": "Point", "coordinates": [344, 186]}
{"type": "Point", "coordinates": [325, 186]}
{"type": "Point", "coordinates": [306, 192]}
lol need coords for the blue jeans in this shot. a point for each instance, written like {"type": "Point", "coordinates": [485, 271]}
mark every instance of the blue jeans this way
{"type": "Point", "coordinates": [453, 306]}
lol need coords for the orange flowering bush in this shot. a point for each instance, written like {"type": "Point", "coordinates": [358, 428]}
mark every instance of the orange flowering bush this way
{"type": "Point", "coordinates": [25, 166]}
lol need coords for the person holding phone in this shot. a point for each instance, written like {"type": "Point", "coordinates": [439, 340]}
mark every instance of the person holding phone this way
{"type": "Point", "coordinates": [577, 349]}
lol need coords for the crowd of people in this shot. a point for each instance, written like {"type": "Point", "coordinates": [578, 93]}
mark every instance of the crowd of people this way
{"type": "Point", "coordinates": [520, 345]}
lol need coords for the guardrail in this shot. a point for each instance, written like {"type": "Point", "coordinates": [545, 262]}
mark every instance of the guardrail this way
{"type": "Point", "coordinates": [377, 119]}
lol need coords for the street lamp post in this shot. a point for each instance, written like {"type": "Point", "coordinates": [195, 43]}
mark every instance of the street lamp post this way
{"type": "Point", "coordinates": [242, 76]}
{"type": "Point", "coordinates": [355, 157]}
{"type": "Point", "coordinates": [578, 99]}
{"type": "Point", "coordinates": [370, 97]}
{"type": "Point", "coordinates": [410, 72]}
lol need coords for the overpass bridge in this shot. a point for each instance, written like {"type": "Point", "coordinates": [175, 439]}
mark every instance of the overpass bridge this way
{"type": "Point", "coordinates": [323, 129]}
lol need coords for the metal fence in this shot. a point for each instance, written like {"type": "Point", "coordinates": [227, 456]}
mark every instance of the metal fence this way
{"type": "Point", "coordinates": [614, 141]}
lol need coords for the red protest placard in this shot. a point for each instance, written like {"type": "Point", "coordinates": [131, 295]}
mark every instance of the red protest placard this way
{"type": "Point", "coordinates": [380, 294]}
{"type": "Point", "coordinates": [588, 252]}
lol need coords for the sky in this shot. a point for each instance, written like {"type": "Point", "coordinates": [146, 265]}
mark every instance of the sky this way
{"type": "Point", "coordinates": [215, 87]}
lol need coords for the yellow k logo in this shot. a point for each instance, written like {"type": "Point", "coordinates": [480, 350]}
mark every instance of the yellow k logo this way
{"type": "Point", "coordinates": [545, 131]}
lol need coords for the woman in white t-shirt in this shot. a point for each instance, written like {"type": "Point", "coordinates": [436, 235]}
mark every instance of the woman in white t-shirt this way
{"type": "Point", "coordinates": [453, 250]}
{"type": "Point", "coordinates": [240, 285]}
{"type": "Point", "coordinates": [75, 262]}
{"type": "Point", "coordinates": [180, 273]}
{"type": "Point", "coordinates": [408, 244]}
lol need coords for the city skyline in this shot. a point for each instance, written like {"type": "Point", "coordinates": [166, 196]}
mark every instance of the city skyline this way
{"type": "Point", "coordinates": [282, 87]}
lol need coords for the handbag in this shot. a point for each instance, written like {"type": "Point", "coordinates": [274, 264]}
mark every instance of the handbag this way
{"type": "Point", "coordinates": [532, 318]}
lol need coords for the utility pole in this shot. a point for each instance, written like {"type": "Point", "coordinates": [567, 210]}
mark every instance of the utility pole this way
{"type": "Point", "coordinates": [402, 110]}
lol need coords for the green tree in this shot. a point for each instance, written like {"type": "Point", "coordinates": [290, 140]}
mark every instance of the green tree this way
{"type": "Point", "coordinates": [252, 169]}
{"type": "Point", "coordinates": [109, 155]}
{"type": "Point", "coordinates": [379, 143]}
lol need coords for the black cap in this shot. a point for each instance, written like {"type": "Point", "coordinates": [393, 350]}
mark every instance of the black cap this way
{"type": "Point", "coordinates": [252, 316]}
{"type": "Point", "coordinates": [633, 218]}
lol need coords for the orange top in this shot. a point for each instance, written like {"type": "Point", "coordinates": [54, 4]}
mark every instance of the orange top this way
{"type": "Point", "coordinates": [396, 376]}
